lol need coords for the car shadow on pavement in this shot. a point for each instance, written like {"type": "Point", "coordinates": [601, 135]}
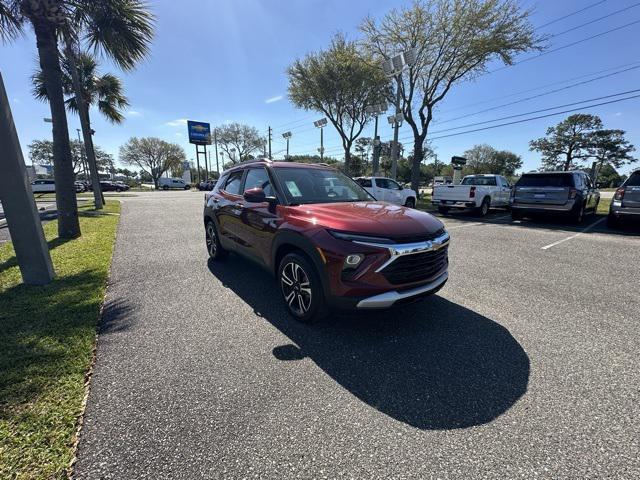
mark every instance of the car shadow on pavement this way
{"type": "Point", "coordinates": [432, 365]}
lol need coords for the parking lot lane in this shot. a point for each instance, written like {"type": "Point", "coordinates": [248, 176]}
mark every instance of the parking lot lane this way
{"type": "Point", "coordinates": [523, 366]}
{"type": "Point", "coordinates": [589, 227]}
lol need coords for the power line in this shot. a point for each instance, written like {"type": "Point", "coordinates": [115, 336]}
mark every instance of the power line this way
{"type": "Point", "coordinates": [595, 20]}
{"type": "Point", "coordinates": [563, 47]}
{"type": "Point", "coordinates": [550, 92]}
{"type": "Point", "coordinates": [538, 117]}
{"type": "Point", "coordinates": [571, 14]}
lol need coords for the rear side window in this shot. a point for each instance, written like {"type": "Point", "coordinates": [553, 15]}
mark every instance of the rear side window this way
{"type": "Point", "coordinates": [364, 182]}
{"type": "Point", "coordinates": [546, 180]}
{"type": "Point", "coordinates": [634, 180]}
{"type": "Point", "coordinates": [232, 185]}
{"type": "Point", "coordinates": [489, 181]}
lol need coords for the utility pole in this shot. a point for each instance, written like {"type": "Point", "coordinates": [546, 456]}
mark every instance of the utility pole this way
{"type": "Point", "coordinates": [396, 130]}
{"type": "Point", "coordinates": [32, 251]}
{"type": "Point", "coordinates": [376, 110]}
{"type": "Point", "coordinates": [287, 136]}
{"type": "Point", "coordinates": [320, 124]}
{"type": "Point", "coordinates": [206, 165]}
{"type": "Point", "coordinates": [215, 145]}
{"type": "Point", "coordinates": [269, 143]}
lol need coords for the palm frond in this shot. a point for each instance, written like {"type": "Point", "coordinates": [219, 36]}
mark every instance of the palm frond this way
{"type": "Point", "coordinates": [11, 20]}
{"type": "Point", "coordinates": [110, 112]}
{"type": "Point", "coordinates": [122, 29]}
{"type": "Point", "coordinates": [39, 89]}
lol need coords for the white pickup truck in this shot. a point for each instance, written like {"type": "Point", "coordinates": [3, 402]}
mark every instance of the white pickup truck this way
{"type": "Point", "coordinates": [388, 190]}
{"type": "Point", "coordinates": [479, 192]}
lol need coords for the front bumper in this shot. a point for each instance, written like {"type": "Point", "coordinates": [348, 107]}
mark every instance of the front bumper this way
{"type": "Point", "coordinates": [387, 299]}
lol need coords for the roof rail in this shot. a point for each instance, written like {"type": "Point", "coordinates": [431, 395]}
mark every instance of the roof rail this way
{"type": "Point", "coordinates": [252, 160]}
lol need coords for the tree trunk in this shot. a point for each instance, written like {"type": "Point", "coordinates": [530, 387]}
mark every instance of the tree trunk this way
{"type": "Point", "coordinates": [83, 113]}
{"type": "Point", "coordinates": [66, 203]}
{"type": "Point", "coordinates": [418, 156]}
{"type": "Point", "coordinates": [347, 160]}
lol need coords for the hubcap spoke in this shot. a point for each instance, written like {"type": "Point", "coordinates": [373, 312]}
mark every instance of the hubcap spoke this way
{"type": "Point", "coordinates": [286, 280]}
{"type": "Point", "coordinates": [289, 298]}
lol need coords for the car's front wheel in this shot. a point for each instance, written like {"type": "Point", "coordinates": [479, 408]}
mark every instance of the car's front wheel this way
{"type": "Point", "coordinates": [411, 203]}
{"type": "Point", "coordinates": [301, 288]}
{"type": "Point", "coordinates": [215, 249]}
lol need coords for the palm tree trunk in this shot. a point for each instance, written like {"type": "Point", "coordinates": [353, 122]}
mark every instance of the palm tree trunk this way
{"type": "Point", "coordinates": [83, 113]}
{"type": "Point", "coordinates": [66, 203]}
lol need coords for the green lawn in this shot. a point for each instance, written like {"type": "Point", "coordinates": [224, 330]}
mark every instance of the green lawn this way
{"type": "Point", "coordinates": [603, 206]}
{"type": "Point", "coordinates": [47, 337]}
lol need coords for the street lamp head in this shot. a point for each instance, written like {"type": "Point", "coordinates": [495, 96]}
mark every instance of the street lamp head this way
{"type": "Point", "coordinates": [398, 63]}
{"type": "Point", "coordinates": [286, 135]}
{"type": "Point", "coordinates": [391, 119]}
{"type": "Point", "coordinates": [320, 123]}
{"type": "Point", "coordinates": [411, 56]}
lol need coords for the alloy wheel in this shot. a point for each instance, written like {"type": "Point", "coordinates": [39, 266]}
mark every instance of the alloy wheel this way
{"type": "Point", "coordinates": [211, 239]}
{"type": "Point", "coordinates": [296, 288]}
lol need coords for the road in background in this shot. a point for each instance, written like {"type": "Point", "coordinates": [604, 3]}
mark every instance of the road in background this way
{"type": "Point", "coordinates": [524, 365]}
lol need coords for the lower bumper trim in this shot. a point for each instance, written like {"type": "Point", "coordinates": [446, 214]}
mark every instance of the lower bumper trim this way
{"type": "Point", "coordinates": [387, 299]}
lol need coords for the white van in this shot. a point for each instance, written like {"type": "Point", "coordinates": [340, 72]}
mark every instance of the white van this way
{"type": "Point", "coordinates": [43, 185]}
{"type": "Point", "coordinates": [167, 183]}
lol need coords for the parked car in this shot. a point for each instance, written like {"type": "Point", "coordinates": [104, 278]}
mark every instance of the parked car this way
{"type": "Point", "coordinates": [327, 240]}
{"type": "Point", "coordinates": [478, 192]}
{"type": "Point", "coordinates": [626, 201]}
{"type": "Point", "coordinates": [43, 186]}
{"type": "Point", "coordinates": [167, 183]}
{"type": "Point", "coordinates": [109, 186]}
{"type": "Point", "coordinates": [207, 185]}
{"type": "Point", "coordinates": [81, 187]}
{"type": "Point", "coordinates": [388, 190]}
{"type": "Point", "coordinates": [567, 193]}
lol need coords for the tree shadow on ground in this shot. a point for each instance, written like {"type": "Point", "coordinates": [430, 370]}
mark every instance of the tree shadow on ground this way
{"type": "Point", "coordinates": [431, 365]}
{"type": "Point", "coordinates": [13, 261]}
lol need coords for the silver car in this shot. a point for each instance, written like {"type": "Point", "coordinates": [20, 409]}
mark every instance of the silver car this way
{"type": "Point", "coordinates": [626, 201]}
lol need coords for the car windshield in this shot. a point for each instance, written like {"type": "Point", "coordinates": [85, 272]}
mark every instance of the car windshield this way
{"type": "Point", "coordinates": [315, 185]}
{"type": "Point", "coordinates": [479, 181]}
{"type": "Point", "coordinates": [546, 180]}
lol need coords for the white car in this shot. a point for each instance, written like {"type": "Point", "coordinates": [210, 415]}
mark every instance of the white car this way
{"type": "Point", "coordinates": [388, 190]}
{"type": "Point", "coordinates": [43, 186]}
{"type": "Point", "coordinates": [478, 192]}
{"type": "Point", "coordinates": [167, 183]}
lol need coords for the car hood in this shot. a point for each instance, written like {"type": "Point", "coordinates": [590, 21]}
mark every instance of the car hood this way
{"type": "Point", "coordinates": [369, 218]}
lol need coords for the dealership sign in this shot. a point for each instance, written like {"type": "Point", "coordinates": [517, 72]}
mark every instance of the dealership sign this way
{"type": "Point", "coordinates": [199, 132]}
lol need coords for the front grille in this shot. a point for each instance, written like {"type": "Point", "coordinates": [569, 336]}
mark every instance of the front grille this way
{"type": "Point", "coordinates": [416, 267]}
{"type": "Point", "coordinates": [416, 238]}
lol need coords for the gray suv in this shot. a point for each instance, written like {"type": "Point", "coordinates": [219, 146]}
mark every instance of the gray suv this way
{"type": "Point", "coordinates": [569, 193]}
{"type": "Point", "coordinates": [626, 201]}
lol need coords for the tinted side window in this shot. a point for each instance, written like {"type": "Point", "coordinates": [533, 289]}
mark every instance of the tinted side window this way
{"type": "Point", "coordinates": [221, 181]}
{"type": "Point", "coordinates": [259, 178]}
{"type": "Point", "coordinates": [233, 183]}
{"type": "Point", "coordinates": [634, 180]}
{"type": "Point", "coordinates": [364, 182]}
{"type": "Point", "coordinates": [393, 185]}
{"type": "Point", "coordinates": [382, 183]}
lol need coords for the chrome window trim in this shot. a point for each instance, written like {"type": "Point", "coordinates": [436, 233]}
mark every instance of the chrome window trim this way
{"type": "Point", "coordinates": [397, 250]}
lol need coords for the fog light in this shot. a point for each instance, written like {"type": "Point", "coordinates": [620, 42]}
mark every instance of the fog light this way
{"type": "Point", "coordinates": [353, 260]}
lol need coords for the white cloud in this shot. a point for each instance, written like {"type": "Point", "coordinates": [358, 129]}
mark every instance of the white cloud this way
{"type": "Point", "coordinates": [617, 114]}
{"type": "Point", "coordinates": [277, 98]}
{"type": "Point", "coordinates": [177, 122]}
{"type": "Point", "coordinates": [133, 113]}
{"type": "Point", "coordinates": [15, 100]}
{"type": "Point", "coordinates": [178, 134]}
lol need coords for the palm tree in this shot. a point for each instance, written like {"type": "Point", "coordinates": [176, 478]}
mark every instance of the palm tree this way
{"type": "Point", "coordinates": [121, 29]}
{"type": "Point", "coordinates": [103, 91]}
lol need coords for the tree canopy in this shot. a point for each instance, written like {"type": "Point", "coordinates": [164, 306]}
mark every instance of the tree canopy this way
{"type": "Point", "coordinates": [244, 139]}
{"type": "Point", "coordinates": [453, 41]}
{"type": "Point", "coordinates": [152, 155]}
{"type": "Point", "coordinates": [41, 153]}
{"type": "Point", "coordinates": [339, 82]}
{"type": "Point", "coordinates": [486, 159]}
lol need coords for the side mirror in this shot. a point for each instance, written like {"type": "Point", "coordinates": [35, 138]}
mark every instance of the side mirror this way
{"type": "Point", "coordinates": [255, 195]}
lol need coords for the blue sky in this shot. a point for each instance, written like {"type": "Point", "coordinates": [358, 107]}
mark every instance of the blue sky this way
{"type": "Point", "coordinates": [226, 60]}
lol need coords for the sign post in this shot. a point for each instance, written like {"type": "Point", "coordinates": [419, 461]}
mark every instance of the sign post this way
{"type": "Point", "coordinates": [200, 134]}
{"type": "Point", "coordinates": [19, 205]}
{"type": "Point", "coordinates": [458, 163]}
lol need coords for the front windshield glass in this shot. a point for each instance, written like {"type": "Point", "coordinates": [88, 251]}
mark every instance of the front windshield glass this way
{"type": "Point", "coordinates": [315, 185]}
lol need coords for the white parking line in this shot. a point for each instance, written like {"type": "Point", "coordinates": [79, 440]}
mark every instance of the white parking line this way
{"type": "Point", "coordinates": [478, 223]}
{"type": "Point", "coordinates": [546, 247]}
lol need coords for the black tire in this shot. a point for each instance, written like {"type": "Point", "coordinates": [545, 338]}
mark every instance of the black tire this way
{"type": "Point", "coordinates": [613, 221]}
{"type": "Point", "coordinates": [301, 288]}
{"type": "Point", "coordinates": [483, 210]}
{"type": "Point", "coordinates": [165, 187]}
{"type": "Point", "coordinates": [577, 216]}
{"type": "Point", "coordinates": [187, 187]}
{"type": "Point", "coordinates": [411, 202]}
{"type": "Point", "coordinates": [516, 215]}
{"type": "Point", "coordinates": [443, 210]}
{"type": "Point", "coordinates": [215, 249]}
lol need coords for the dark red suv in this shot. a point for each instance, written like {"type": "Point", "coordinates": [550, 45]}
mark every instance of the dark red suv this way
{"type": "Point", "coordinates": [328, 241]}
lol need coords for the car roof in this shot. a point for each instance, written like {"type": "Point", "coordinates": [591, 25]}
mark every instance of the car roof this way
{"type": "Point", "coordinates": [278, 164]}
{"type": "Point", "coordinates": [555, 172]}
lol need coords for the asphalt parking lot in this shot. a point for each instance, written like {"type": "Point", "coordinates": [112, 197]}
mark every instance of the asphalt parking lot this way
{"type": "Point", "coordinates": [524, 366]}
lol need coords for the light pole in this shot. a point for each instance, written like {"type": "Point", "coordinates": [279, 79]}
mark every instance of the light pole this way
{"type": "Point", "coordinates": [375, 110]}
{"type": "Point", "coordinates": [287, 135]}
{"type": "Point", "coordinates": [393, 67]}
{"type": "Point", "coordinates": [320, 124]}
